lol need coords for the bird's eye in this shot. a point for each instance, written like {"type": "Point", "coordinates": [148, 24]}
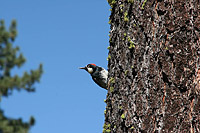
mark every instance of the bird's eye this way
{"type": "Point", "coordinates": [88, 65]}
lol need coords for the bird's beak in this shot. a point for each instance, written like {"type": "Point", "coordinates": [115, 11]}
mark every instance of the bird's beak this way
{"type": "Point", "coordinates": [82, 68]}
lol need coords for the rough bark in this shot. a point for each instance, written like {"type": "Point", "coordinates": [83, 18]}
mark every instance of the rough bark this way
{"type": "Point", "coordinates": [154, 70]}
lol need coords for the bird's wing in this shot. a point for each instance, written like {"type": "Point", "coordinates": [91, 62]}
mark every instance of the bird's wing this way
{"type": "Point", "coordinates": [100, 84]}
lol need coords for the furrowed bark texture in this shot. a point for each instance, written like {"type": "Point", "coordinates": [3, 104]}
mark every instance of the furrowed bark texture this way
{"type": "Point", "coordinates": [154, 67]}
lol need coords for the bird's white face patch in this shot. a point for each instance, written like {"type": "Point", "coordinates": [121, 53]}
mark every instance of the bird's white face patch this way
{"type": "Point", "coordinates": [90, 70]}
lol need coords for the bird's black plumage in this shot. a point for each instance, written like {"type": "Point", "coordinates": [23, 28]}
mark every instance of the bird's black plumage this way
{"type": "Point", "coordinates": [98, 78]}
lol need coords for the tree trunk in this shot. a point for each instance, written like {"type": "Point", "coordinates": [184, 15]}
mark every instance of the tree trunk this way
{"type": "Point", "coordinates": [154, 71]}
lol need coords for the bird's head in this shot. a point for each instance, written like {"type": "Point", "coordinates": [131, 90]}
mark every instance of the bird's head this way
{"type": "Point", "coordinates": [90, 68]}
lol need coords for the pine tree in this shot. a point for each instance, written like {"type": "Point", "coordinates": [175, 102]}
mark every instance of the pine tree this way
{"type": "Point", "coordinates": [10, 57]}
{"type": "Point", "coordinates": [154, 67]}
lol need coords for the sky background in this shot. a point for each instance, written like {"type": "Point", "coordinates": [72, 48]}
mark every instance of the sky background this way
{"type": "Point", "coordinates": [63, 35]}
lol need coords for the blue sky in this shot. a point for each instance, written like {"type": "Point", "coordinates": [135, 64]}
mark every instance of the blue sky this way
{"type": "Point", "coordinates": [63, 35]}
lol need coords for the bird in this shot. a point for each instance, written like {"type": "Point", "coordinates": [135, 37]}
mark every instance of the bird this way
{"type": "Point", "coordinates": [99, 74]}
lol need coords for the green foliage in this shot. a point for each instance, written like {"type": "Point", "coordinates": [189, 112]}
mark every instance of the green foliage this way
{"type": "Point", "coordinates": [111, 2]}
{"type": "Point", "coordinates": [131, 43]}
{"type": "Point", "coordinates": [112, 80]}
{"type": "Point", "coordinates": [144, 4]}
{"type": "Point", "coordinates": [126, 72]}
{"type": "Point", "coordinates": [8, 125]}
{"type": "Point", "coordinates": [129, 39]}
{"type": "Point", "coordinates": [123, 116]}
{"type": "Point", "coordinates": [110, 40]}
{"type": "Point", "coordinates": [108, 131]}
{"type": "Point", "coordinates": [109, 22]}
{"type": "Point", "coordinates": [111, 89]}
{"type": "Point", "coordinates": [121, 7]}
{"type": "Point", "coordinates": [109, 57]}
{"type": "Point", "coordinates": [106, 128]}
{"type": "Point", "coordinates": [10, 58]}
{"type": "Point", "coordinates": [125, 17]}
{"type": "Point", "coordinates": [130, 1]}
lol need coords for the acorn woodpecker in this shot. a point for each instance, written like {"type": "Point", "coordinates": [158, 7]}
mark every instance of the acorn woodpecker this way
{"type": "Point", "coordinates": [99, 74]}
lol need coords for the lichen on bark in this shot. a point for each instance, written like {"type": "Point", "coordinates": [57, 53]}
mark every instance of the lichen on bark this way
{"type": "Point", "coordinates": [156, 86]}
